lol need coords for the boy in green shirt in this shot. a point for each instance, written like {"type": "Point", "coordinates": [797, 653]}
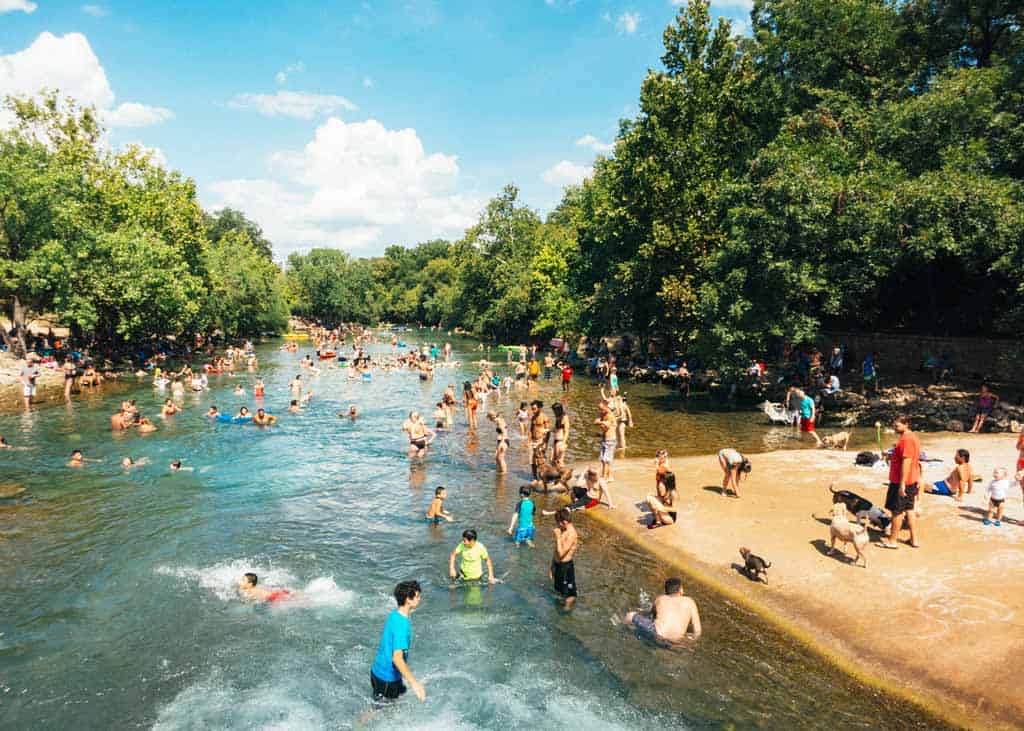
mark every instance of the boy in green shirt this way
{"type": "Point", "coordinates": [472, 555]}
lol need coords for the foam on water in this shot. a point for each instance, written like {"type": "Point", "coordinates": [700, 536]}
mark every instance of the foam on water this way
{"type": "Point", "coordinates": [222, 580]}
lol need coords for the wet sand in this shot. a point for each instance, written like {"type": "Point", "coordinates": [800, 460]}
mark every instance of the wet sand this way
{"type": "Point", "coordinates": [942, 624]}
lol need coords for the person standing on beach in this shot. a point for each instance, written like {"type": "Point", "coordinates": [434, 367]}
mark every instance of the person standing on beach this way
{"type": "Point", "coordinates": [606, 422]}
{"type": "Point", "coordinates": [70, 372]}
{"type": "Point", "coordinates": [390, 665]}
{"type": "Point", "coordinates": [904, 476]}
{"type": "Point", "coordinates": [563, 571]}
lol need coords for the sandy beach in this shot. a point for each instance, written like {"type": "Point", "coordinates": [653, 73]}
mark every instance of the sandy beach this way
{"type": "Point", "coordinates": [942, 624]}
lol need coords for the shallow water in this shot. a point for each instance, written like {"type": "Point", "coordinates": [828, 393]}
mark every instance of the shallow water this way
{"type": "Point", "coordinates": [118, 598]}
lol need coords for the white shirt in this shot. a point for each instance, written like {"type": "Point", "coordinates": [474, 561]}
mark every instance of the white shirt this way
{"type": "Point", "coordinates": [997, 489]}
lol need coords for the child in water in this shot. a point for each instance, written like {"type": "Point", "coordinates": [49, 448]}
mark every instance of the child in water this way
{"type": "Point", "coordinates": [523, 515]}
{"type": "Point", "coordinates": [436, 512]}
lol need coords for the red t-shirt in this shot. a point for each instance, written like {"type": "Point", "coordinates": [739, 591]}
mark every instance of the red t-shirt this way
{"type": "Point", "coordinates": [907, 446]}
{"type": "Point", "coordinates": [567, 373]}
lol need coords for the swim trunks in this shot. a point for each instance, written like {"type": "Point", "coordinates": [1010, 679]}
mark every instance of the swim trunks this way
{"type": "Point", "coordinates": [607, 450]}
{"type": "Point", "coordinates": [644, 624]}
{"type": "Point", "coordinates": [524, 534]}
{"type": "Point", "coordinates": [384, 691]}
{"type": "Point", "coordinates": [564, 574]}
{"type": "Point", "coordinates": [278, 594]}
{"type": "Point", "coordinates": [436, 519]}
{"type": "Point", "coordinates": [941, 488]}
{"type": "Point", "coordinates": [806, 425]}
{"type": "Point", "coordinates": [420, 443]}
{"type": "Point", "coordinates": [996, 502]}
{"type": "Point", "coordinates": [896, 504]}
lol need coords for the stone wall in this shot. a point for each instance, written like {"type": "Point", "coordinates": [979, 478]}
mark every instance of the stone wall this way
{"type": "Point", "coordinates": [972, 358]}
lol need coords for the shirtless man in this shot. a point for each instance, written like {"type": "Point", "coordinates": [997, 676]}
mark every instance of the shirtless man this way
{"type": "Point", "coordinates": [262, 418]}
{"type": "Point", "coordinates": [248, 588]}
{"type": "Point", "coordinates": [671, 616]}
{"type": "Point", "coordinates": [562, 570]}
{"type": "Point", "coordinates": [296, 386]}
{"type": "Point", "coordinates": [118, 422]}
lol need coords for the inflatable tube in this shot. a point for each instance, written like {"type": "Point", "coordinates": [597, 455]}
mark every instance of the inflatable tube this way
{"type": "Point", "coordinates": [401, 343]}
{"type": "Point", "coordinates": [327, 355]}
{"type": "Point", "coordinates": [233, 419]}
{"type": "Point", "coordinates": [508, 347]}
{"type": "Point", "coordinates": [367, 376]}
{"type": "Point", "coordinates": [296, 336]}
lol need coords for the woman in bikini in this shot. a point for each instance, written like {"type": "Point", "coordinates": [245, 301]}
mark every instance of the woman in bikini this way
{"type": "Point", "coordinates": [502, 445]}
{"type": "Point", "coordinates": [472, 404]}
{"type": "Point", "coordinates": [663, 504]}
{"type": "Point", "coordinates": [561, 436]}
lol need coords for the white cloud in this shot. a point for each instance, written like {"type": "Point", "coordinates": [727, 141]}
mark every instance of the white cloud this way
{"type": "Point", "coordinates": [132, 114]}
{"type": "Point", "coordinates": [300, 104]}
{"type": "Point", "coordinates": [292, 68]}
{"type": "Point", "coordinates": [356, 186]}
{"type": "Point", "coordinates": [566, 173]}
{"type": "Point", "coordinates": [156, 155]}
{"type": "Point", "coordinates": [10, 6]}
{"type": "Point", "coordinates": [628, 22]}
{"type": "Point", "coordinates": [367, 83]}
{"type": "Point", "coordinates": [68, 64]}
{"type": "Point", "coordinates": [96, 11]}
{"type": "Point", "coordinates": [595, 144]}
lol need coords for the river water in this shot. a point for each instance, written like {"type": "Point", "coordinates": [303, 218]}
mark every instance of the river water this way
{"type": "Point", "coordinates": [119, 608]}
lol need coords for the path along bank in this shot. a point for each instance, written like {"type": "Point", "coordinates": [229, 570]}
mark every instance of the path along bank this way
{"type": "Point", "coordinates": [942, 625]}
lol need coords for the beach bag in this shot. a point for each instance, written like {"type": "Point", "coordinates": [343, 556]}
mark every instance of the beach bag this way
{"type": "Point", "coordinates": [866, 459]}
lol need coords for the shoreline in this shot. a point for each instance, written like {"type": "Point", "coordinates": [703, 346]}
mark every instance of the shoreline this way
{"type": "Point", "coordinates": [959, 638]}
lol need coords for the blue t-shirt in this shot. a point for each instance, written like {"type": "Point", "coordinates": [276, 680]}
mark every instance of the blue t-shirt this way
{"type": "Point", "coordinates": [397, 635]}
{"type": "Point", "coordinates": [806, 407]}
{"type": "Point", "coordinates": [525, 514]}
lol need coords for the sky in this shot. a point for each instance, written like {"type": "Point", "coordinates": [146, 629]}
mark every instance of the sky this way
{"type": "Point", "coordinates": [354, 125]}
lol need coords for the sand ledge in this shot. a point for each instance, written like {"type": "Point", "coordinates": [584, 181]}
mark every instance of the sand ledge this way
{"type": "Point", "coordinates": [958, 601]}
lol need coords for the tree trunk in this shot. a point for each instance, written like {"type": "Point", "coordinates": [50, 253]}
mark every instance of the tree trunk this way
{"type": "Point", "coordinates": [17, 313]}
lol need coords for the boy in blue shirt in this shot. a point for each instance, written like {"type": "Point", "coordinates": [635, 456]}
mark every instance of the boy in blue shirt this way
{"type": "Point", "coordinates": [389, 665]}
{"type": "Point", "coordinates": [524, 516]}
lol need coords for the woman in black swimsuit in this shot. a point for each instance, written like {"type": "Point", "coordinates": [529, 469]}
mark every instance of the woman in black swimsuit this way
{"type": "Point", "coordinates": [663, 504]}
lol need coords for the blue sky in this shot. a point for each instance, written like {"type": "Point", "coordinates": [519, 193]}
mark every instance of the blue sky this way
{"type": "Point", "coordinates": [351, 124]}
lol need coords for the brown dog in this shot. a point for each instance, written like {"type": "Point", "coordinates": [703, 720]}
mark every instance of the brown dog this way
{"type": "Point", "coordinates": [755, 567]}
{"type": "Point", "coordinates": [839, 440]}
{"type": "Point", "coordinates": [549, 477]}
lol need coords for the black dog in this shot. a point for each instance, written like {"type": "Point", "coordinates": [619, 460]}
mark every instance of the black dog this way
{"type": "Point", "coordinates": [756, 568]}
{"type": "Point", "coordinates": [861, 507]}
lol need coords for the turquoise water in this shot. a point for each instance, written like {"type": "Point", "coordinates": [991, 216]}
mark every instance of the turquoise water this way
{"type": "Point", "coordinates": [119, 607]}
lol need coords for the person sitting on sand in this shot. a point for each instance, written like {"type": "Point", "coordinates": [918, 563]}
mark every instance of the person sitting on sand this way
{"type": "Point", "coordinates": [673, 617]}
{"type": "Point", "coordinates": [436, 512]}
{"type": "Point", "coordinates": [734, 465]}
{"type": "Point", "coordinates": [960, 480]}
{"type": "Point", "coordinates": [589, 491]}
{"type": "Point", "coordinates": [663, 504]}
{"type": "Point", "coordinates": [247, 585]}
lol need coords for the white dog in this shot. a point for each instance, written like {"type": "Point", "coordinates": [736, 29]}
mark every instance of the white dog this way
{"type": "Point", "coordinates": [777, 413]}
{"type": "Point", "coordinates": [841, 528]}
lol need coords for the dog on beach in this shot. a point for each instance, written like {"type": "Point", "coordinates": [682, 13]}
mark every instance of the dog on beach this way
{"type": "Point", "coordinates": [839, 440]}
{"type": "Point", "coordinates": [861, 508]}
{"type": "Point", "coordinates": [755, 567]}
{"type": "Point", "coordinates": [843, 530]}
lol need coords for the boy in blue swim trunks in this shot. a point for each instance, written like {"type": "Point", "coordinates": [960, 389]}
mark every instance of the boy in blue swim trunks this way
{"type": "Point", "coordinates": [523, 515]}
{"type": "Point", "coordinates": [436, 512]}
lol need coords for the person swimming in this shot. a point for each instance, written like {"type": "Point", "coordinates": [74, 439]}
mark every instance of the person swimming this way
{"type": "Point", "coordinates": [247, 585]}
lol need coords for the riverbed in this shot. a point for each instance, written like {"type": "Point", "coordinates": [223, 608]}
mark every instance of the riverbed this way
{"type": "Point", "coordinates": [118, 586]}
